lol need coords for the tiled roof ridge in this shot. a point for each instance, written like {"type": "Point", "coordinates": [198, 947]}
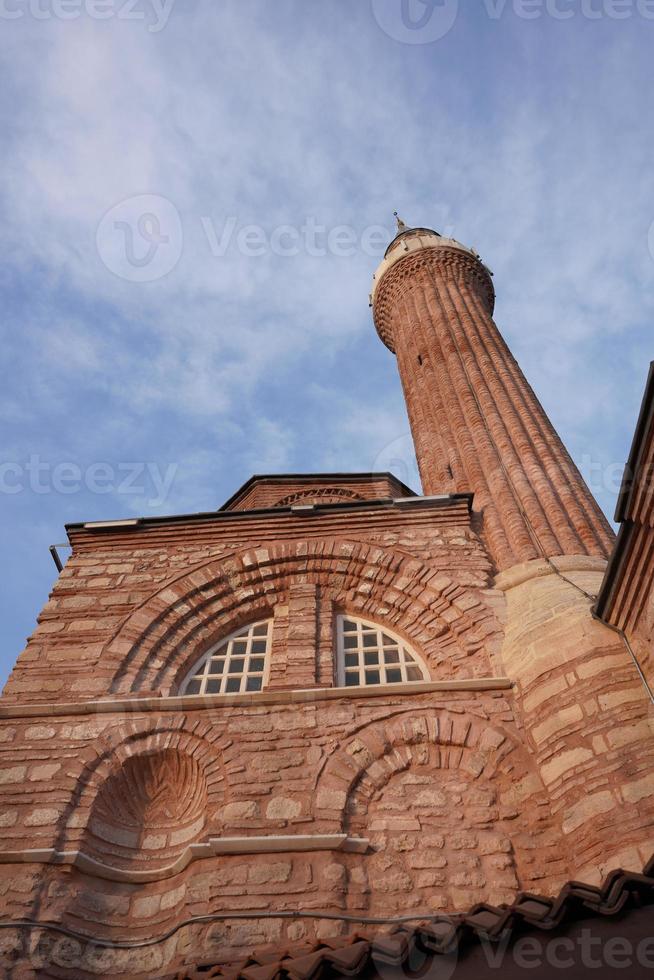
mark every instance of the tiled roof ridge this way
{"type": "Point", "coordinates": [351, 955]}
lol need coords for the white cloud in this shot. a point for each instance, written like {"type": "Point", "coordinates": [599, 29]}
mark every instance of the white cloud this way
{"type": "Point", "coordinates": [529, 142]}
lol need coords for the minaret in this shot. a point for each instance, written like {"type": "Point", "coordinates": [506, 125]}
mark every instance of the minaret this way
{"type": "Point", "coordinates": [477, 426]}
{"type": "Point", "coordinates": [476, 423]}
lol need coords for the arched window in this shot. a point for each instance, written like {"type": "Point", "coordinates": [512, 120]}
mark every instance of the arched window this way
{"type": "Point", "coordinates": [368, 654]}
{"type": "Point", "coordinates": [236, 665]}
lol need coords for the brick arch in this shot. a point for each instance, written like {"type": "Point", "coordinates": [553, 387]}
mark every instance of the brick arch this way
{"type": "Point", "coordinates": [147, 812]}
{"type": "Point", "coordinates": [381, 749]}
{"type": "Point", "coordinates": [323, 495]}
{"type": "Point", "coordinates": [159, 641]}
{"type": "Point", "coordinates": [457, 745]}
{"type": "Point", "coordinates": [507, 807]}
{"type": "Point", "coordinates": [132, 740]}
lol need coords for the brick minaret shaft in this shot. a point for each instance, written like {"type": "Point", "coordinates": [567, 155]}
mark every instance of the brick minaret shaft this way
{"type": "Point", "coordinates": [476, 423]}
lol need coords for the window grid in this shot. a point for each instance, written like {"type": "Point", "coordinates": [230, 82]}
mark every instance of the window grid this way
{"type": "Point", "coordinates": [368, 655]}
{"type": "Point", "coordinates": [237, 665]}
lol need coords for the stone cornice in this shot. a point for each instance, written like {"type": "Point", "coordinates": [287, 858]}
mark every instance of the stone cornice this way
{"type": "Point", "coordinates": [214, 847]}
{"type": "Point", "coordinates": [202, 702]}
{"type": "Point", "coordinates": [451, 259]}
{"type": "Point", "coordinates": [538, 567]}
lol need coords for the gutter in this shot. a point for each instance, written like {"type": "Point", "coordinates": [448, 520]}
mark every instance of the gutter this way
{"type": "Point", "coordinates": [629, 481]}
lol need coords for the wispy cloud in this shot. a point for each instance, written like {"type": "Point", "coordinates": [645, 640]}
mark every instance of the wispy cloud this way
{"type": "Point", "coordinates": [523, 139]}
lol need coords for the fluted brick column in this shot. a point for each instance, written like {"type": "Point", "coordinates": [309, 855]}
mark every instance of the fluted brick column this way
{"type": "Point", "coordinates": [476, 423]}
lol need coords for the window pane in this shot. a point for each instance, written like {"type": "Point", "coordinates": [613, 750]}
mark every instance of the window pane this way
{"type": "Point", "coordinates": [368, 656]}
{"type": "Point", "coordinates": [242, 654]}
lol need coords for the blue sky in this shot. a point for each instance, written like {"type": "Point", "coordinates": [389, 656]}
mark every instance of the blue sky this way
{"type": "Point", "coordinates": [527, 137]}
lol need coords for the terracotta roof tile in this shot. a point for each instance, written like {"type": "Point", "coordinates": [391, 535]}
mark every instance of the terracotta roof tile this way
{"type": "Point", "coordinates": [351, 956]}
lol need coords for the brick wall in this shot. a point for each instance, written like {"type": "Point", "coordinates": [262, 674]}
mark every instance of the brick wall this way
{"type": "Point", "coordinates": [439, 783]}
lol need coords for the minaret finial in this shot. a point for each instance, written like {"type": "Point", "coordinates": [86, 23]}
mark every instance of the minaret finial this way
{"type": "Point", "coordinates": [400, 224]}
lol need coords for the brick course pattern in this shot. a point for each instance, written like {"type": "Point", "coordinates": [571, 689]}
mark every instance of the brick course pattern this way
{"type": "Point", "coordinates": [330, 488]}
{"type": "Point", "coordinates": [476, 423]}
{"type": "Point", "coordinates": [627, 597]}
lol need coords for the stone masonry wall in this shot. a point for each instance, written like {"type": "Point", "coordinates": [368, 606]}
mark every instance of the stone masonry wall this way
{"type": "Point", "coordinates": [127, 809]}
{"type": "Point", "coordinates": [439, 783]}
{"type": "Point", "coordinates": [134, 608]}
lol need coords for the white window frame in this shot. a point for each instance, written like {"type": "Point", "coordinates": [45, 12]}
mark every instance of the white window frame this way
{"type": "Point", "coordinates": [403, 648]}
{"type": "Point", "coordinates": [245, 633]}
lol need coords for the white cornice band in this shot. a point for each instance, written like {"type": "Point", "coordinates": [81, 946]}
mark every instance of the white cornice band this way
{"type": "Point", "coordinates": [216, 846]}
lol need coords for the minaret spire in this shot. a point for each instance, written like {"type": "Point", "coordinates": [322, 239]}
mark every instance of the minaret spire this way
{"type": "Point", "coordinates": [476, 423]}
{"type": "Point", "coordinates": [401, 226]}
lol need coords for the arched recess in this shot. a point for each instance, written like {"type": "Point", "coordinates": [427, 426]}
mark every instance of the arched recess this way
{"type": "Point", "coordinates": [139, 758]}
{"type": "Point", "coordinates": [159, 640]}
{"type": "Point", "coordinates": [453, 808]}
{"type": "Point", "coordinates": [148, 789]}
{"type": "Point", "coordinates": [319, 495]}
{"type": "Point", "coordinates": [148, 811]}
